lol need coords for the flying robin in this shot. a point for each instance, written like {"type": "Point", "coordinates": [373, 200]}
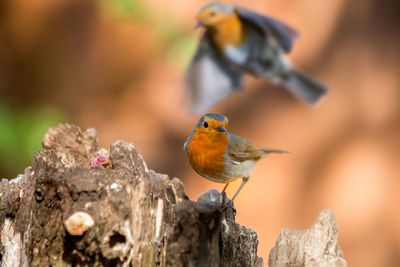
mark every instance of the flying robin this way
{"type": "Point", "coordinates": [220, 156]}
{"type": "Point", "coordinates": [237, 41]}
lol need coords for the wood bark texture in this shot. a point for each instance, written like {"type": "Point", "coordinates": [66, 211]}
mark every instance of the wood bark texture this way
{"type": "Point", "coordinates": [66, 210]}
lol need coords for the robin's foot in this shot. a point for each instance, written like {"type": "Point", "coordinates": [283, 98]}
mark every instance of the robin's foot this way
{"type": "Point", "coordinates": [224, 198]}
{"type": "Point", "coordinates": [228, 204]}
{"type": "Point", "coordinates": [228, 207]}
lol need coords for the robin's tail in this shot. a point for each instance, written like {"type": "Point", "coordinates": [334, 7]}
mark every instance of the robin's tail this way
{"type": "Point", "coordinates": [270, 151]}
{"type": "Point", "coordinates": [303, 86]}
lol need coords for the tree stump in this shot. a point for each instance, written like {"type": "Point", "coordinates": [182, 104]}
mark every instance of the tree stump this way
{"type": "Point", "coordinates": [313, 247]}
{"type": "Point", "coordinates": [81, 205]}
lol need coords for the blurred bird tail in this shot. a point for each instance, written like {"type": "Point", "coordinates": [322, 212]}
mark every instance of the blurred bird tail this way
{"type": "Point", "coordinates": [275, 151]}
{"type": "Point", "coordinates": [304, 87]}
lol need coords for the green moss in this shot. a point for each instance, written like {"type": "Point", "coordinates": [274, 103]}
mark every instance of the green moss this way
{"type": "Point", "coordinates": [21, 133]}
{"type": "Point", "coordinates": [129, 9]}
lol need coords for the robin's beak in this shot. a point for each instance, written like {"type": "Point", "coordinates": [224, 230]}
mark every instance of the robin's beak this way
{"type": "Point", "coordinates": [220, 129]}
{"type": "Point", "coordinates": [201, 19]}
{"type": "Point", "coordinates": [199, 24]}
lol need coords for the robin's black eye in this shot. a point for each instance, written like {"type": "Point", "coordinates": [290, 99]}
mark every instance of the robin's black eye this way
{"type": "Point", "coordinates": [205, 124]}
{"type": "Point", "coordinates": [212, 14]}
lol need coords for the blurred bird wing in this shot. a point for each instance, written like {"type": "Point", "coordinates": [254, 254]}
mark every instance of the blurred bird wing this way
{"type": "Point", "coordinates": [240, 149]}
{"type": "Point", "coordinates": [209, 79]}
{"type": "Point", "coordinates": [284, 34]}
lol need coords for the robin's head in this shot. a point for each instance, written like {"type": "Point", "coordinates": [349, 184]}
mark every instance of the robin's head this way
{"type": "Point", "coordinates": [210, 129]}
{"type": "Point", "coordinates": [214, 13]}
{"type": "Point", "coordinates": [212, 124]}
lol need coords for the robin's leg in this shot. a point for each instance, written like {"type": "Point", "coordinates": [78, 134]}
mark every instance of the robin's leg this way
{"type": "Point", "coordinates": [223, 193]}
{"type": "Point", "coordinates": [223, 190]}
{"type": "Point", "coordinates": [230, 202]}
{"type": "Point", "coordinates": [244, 181]}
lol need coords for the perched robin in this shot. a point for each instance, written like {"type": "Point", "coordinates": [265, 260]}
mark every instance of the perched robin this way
{"type": "Point", "coordinates": [238, 41]}
{"type": "Point", "coordinates": [220, 156]}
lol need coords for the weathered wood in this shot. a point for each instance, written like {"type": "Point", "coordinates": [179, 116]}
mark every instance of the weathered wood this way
{"type": "Point", "coordinates": [317, 246]}
{"type": "Point", "coordinates": [70, 210]}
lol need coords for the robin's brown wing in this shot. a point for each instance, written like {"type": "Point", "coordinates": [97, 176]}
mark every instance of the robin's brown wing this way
{"type": "Point", "coordinates": [209, 78]}
{"type": "Point", "coordinates": [283, 33]}
{"type": "Point", "coordinates": [240, 149]}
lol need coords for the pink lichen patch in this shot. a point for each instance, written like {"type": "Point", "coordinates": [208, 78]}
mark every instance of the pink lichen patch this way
{"type": "Point", "coordinates": [100, 161]}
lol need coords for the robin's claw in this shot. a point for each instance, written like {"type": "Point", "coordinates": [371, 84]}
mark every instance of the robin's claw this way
{"type": "Point", "coordinates": [228, 207]}
{"type": "Point", "coordinates": [228, 204]}
{"type": "Point", "coordinates": [224, 198]}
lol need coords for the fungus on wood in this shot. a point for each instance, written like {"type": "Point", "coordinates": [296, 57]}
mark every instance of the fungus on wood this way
{"type": "Point", "coordinates": [79, 204]}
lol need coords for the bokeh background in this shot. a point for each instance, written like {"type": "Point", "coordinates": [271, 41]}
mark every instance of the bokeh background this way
{"type": "Point", "coordinates": [118, 66]}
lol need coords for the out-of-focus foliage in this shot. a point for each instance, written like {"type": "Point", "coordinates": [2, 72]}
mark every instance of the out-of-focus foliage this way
{"type": "Point", "coordinates": [133, 9]}
{"type": "Point", "coordinates": [21, 131]}
{"type": "Point", "coordinates": [178, 42]}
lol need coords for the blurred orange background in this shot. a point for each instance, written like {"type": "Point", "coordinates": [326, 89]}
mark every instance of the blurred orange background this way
{"type": "Point", "coordinates": [118, 66]}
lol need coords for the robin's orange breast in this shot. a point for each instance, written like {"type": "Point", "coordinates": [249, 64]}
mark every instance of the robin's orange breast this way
{"type": "Point", "coordinates": [207, 154]}
{"type": "Point", "coordinates": [228, 32]}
